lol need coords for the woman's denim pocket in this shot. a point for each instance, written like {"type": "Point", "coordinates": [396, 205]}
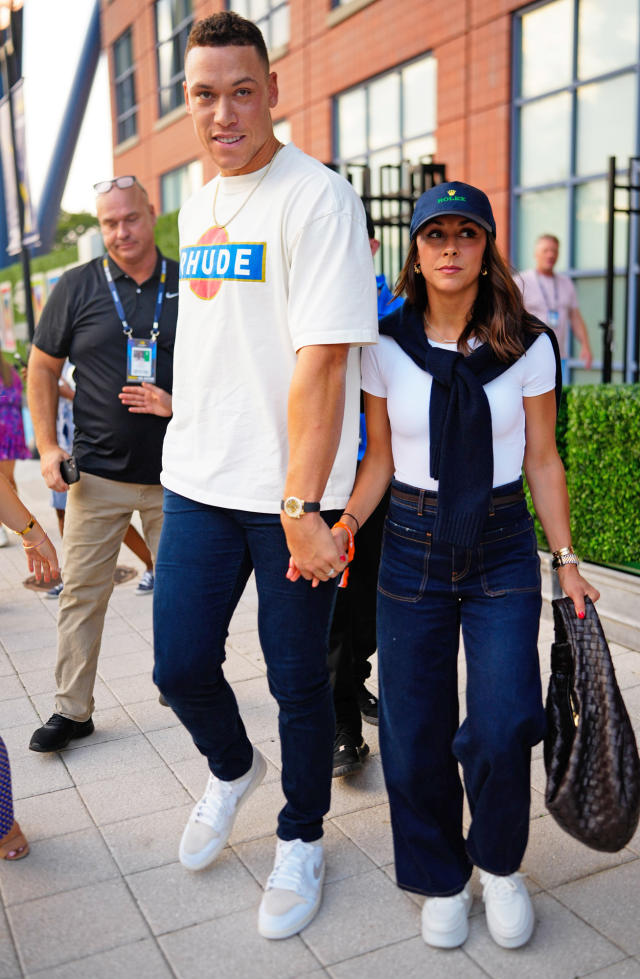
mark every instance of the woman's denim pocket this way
{"type": "Point", "coordinates": [404, 565]}
{"type": "Point", "coordinates": [508, 558]}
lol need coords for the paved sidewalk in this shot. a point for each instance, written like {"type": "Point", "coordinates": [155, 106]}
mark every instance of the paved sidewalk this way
{"type": "Point", "coordinates": [102, 893]}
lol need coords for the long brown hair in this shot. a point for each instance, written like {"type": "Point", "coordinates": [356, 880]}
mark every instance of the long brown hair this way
{"type": "Point", "coordinates": [497, 317]}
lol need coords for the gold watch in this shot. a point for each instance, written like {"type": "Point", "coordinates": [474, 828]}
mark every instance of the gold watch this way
{"type": "Point", "coordinates": [294, 507]}
{"type": "Point", "coordinates": [564, 556]}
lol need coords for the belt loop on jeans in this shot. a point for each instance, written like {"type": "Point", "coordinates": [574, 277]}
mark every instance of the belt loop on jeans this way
{"type": "Point", "coordinates": [420, 502]}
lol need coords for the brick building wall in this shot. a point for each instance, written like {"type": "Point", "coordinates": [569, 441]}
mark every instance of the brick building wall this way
{"type": "Point", "coordinates": [330, 51]}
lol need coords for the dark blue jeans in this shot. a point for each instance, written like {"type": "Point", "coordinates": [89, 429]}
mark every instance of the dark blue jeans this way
{"type": "Point", "coordinates": [427, 591]}
{"type": "Point", "coordinates": [205, 557]}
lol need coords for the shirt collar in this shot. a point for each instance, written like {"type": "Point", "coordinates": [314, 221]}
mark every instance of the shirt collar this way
{"type": "Point", "coordinates": [118, 273]}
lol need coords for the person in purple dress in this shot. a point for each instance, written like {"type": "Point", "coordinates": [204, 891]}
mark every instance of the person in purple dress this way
{"type": "Point", "coordinates": [12, 443]}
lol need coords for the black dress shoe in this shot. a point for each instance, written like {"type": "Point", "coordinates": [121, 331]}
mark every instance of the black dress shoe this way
{"type": "Point", "coordinates": [58, 732]}
{"type": "Point", "coordinates": [368, 704]}
{"type": "Point", "coordinates": [348, 754]}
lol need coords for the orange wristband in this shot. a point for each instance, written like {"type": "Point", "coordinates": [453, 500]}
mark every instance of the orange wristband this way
{"type": "Point", "coordinates": [351, 550]}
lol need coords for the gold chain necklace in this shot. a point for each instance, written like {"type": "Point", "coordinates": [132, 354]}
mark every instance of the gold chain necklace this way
{"type": "Point", "coordinates": [247, 198]}
{"type": "Point", "coordinates": [437, 335]}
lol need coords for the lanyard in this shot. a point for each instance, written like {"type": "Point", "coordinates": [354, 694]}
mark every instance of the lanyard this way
{"type": "Point", "coordinates": [126, 329]}
{"type": "Point", "coordinates": [544, 294]}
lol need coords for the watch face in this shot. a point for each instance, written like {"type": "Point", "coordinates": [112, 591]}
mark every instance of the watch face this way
{"type": "Point", "coordinates": [293, 506]}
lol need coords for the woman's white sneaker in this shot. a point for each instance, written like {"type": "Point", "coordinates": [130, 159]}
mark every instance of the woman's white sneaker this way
{"type": "Point", "coordinates": [445, 920]}
{"type": "Point", "coordinates": [212, 818]}
{"type": "Point", "coordinates": [294, 889]}
{"type": "Point", "coordinates": [510, 917]}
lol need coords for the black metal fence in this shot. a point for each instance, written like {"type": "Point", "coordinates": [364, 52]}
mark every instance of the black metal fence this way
{"type": "Point", "coordinates": [629, 186]}
{"type": "Point", "coordinates": [389, 194]}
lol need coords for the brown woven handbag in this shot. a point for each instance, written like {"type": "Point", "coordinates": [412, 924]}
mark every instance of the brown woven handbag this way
{"type": "Point", "coordinates": [590, 753]}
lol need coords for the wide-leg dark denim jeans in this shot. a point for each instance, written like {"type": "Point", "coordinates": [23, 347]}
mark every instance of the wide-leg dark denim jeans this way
{"type": "Point", "coordinates": [426, 592]}
{"type": "Point", "coordinates": [205, 557]}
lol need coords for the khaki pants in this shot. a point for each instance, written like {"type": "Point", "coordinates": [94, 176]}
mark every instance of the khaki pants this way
{"type": "Point", "coordinates": [97, 516]}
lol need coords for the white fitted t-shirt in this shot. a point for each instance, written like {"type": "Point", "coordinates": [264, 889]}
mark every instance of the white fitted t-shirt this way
{"type": "Point", "coordinates": [388, 372]}
{"type": "Point", "coordinates": [293, 269]}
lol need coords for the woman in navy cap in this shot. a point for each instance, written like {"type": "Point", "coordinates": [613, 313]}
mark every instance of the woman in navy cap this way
{"type": "Point", "coordinates": [460, 392]}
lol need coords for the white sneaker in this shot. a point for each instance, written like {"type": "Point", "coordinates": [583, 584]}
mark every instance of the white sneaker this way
{"type": "Point", "coordinates": [211, 821]}
{"type": "Point", "coordinates": [294, 889]}
{"type": "Point", "coordinates": [4, 539]}
{"type": "Point", "coordinates": [445, 920]}
{"type": "Point", "coordinates": [509, 913]}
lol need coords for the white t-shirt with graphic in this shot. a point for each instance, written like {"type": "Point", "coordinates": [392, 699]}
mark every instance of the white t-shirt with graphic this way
{"type": "Point", "coordinates": [388, 372]}
{"type": "Point", "coordinates": [293, 269]}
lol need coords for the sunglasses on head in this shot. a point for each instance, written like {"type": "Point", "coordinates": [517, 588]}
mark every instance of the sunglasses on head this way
{"type": "Point", "coordinates": [104, 186]}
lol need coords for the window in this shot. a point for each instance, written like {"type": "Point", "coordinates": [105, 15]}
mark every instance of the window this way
{"type": "Point", "coordinates": [173, 23]}
{"type": "Point", "coordinates": [380, 124]}
{"type": "Point", "coordinates": [271, 16]}
{"type": "Point", "coordinates": [179, 184]}
{"type": "Point", "coordinates": [576, 81]}
{"type": "Point", "coordinates": [388, 119]}
{"type": "Point", "coordinates": [124, 78]}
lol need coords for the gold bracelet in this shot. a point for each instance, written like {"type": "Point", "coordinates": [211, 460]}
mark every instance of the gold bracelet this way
{"type": "Point", "coordinates": [28, 547]}
{"type": "Point", "coordinates": [30, 526]}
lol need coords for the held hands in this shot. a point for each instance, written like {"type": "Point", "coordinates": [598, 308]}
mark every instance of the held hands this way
{"type": "Point", "coordinates": [147, 399]}
{"type": "Point", "coordinates": [576, 587]}
{"type": "Point", "coordinates": [317, 553]}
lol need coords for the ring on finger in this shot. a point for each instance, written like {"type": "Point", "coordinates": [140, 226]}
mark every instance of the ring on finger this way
{"type": "Point", "coordinates": [332, 573]}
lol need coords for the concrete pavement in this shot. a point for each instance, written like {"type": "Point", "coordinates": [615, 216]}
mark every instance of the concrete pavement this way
{"type": "Point", "coordinates": [102, 893]}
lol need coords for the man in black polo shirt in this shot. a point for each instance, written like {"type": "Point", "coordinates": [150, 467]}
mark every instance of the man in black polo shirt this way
{"type": "Point", "coordinates": [115, 319]}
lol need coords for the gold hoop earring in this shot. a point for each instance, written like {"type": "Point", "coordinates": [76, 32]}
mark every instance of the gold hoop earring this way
{"type": "Point", "coordinates": [484, 270]}
{"type": "Point", "coordinates": [416, 268]}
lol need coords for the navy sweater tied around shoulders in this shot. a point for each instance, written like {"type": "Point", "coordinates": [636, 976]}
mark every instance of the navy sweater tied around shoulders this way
{"type": "Point", "coordinates": [461, 456]}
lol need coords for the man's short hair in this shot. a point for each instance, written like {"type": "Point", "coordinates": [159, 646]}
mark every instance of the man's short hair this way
{"type": "Point", "coordinates": [550, 237]}
{"type": "Point", "coordinates": [224, 29]}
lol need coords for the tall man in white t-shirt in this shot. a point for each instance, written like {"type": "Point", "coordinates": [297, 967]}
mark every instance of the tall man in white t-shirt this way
{"type": "Point", "coordinates": [552, 298]}
{"type": "Point", "coordinates": [276, 294]}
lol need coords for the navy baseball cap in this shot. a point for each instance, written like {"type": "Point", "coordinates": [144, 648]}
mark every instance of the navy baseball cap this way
{"type": "Point", "coordinates": [453, 198]}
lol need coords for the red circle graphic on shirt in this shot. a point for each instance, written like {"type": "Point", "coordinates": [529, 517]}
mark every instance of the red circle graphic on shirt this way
{"type": "Point", "coordinates": [208, 288]}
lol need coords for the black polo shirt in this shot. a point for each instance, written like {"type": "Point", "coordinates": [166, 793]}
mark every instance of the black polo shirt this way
{"type": "Point", "coordinates": [80, 322]}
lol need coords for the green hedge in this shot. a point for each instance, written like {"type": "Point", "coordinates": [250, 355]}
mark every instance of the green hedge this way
{"type": "Point", "coordinates": [167, 234]}
{"type": "Point", "coordinates": [598, 437]}
{"type": "Point", "coordinates": [603, 471]}
{"type": "Point", "coordinates": [561, 442]}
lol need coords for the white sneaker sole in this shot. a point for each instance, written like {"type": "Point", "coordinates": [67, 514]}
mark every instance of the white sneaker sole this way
{"type": "Point", "coordinates": [270, 927]}
{"type": "Point", "coordinates": [206, 856]}
{"type": "Point", "coordinates": [517, 940]}
{"type": "Point", "coordinates": [447, 939]}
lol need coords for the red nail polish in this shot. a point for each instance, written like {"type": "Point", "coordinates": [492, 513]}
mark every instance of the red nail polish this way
{"type": "Point", "coordinates": [343, 557]}
{"type": "Point", "coordinates": [581, 615]}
